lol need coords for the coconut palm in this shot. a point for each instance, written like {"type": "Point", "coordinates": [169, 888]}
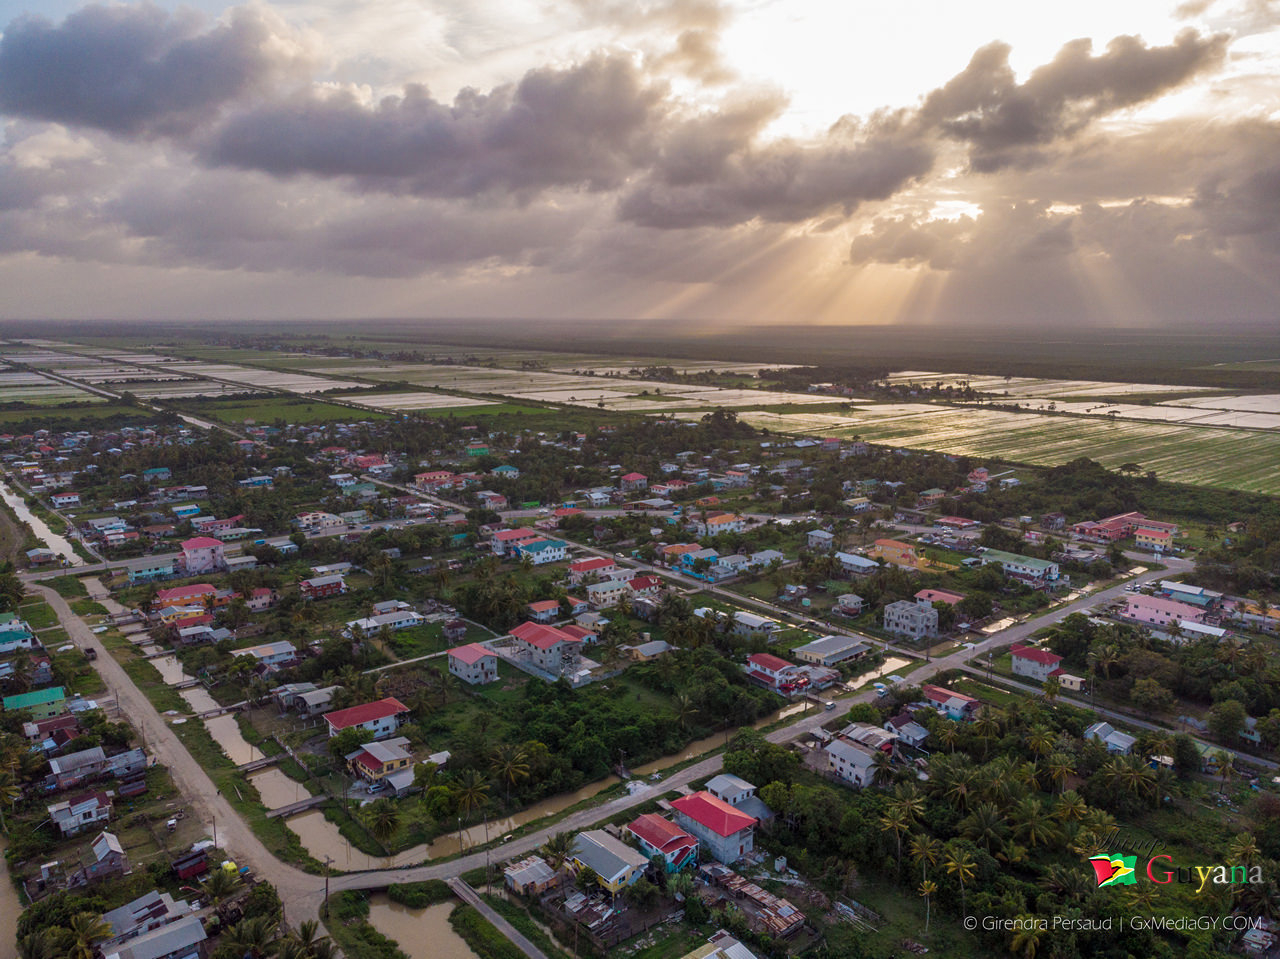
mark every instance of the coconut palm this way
{"type": "Point", "coordinates": [949, 734]}
{"type": "Point", "coordinates": [1225, 763]}
{"type": "Point", "coordinates": [1243, 850]}
{"type": "Point", "coordinates": [382, 818]}
{"type": "Point", "coordinates": [1070, 807]}
{"type": "Point", "coordinates": [252, 937]}
{"type": "Point", "coordinates": [219, 886]}
{"type": "Point", "coordinates": [1026, 940]}
{"type": "Point", "coordinates": [881, 769]}
{"type": "Point", "coordinates": [1059, 767]}
{"type": "Point", "coordinates": [926, 850]}
{"type": "Point", "coordinates": [558, 849]}
{"type": "Point", "coordinates": [1102, 658]}
{"type": "Point", "coordinates": [961, 787]}
{"type": "Point", "coordinates": [1040, 740]}
{"type": "Point", "coordinates": [510, 764]}
{"type": "Point", "coordinates": [470, 792]}
{"type": "Point", "coordinates": [308, 940]}
{"type": "Point", "coordinates": [895, 820]}
{"type": "Point", "coordinates": [985, 826]}
{"type": "Point", "coordinates": [1067, 881]}
{"type": "Point", "coordinates": [684, 709]}
{"type": "Point", "coordinates": [84, 931]}
{"type": "Point", "coordinates": [1033, 822]}
{"type": "Point", "coordinates": [45, 944]}
{"type": "Point", "coordinates": [959, 862]}
{"type": "Point", "coordinates": [927, 889]}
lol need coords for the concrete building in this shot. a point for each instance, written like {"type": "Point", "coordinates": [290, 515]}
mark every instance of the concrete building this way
{"type": "Point", "coordinates": [726, 833]}
{"type": "Point", "coordinates": [474, 664]}
{"type": "Point", "coordinates": [914, 618]}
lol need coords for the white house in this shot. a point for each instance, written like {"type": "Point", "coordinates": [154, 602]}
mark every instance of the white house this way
{"type": "Point", "coordinates": [474, 664]}
{"type": "Point", "coordinates": [381, 718]}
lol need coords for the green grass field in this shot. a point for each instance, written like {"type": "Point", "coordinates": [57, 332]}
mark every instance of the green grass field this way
{"type": "Point", "coordinates": [267, 411]}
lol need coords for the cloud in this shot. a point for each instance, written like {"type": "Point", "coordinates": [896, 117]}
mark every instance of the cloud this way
{"type": "Point", "coordinates": [135, 70]}
{"type": "Point", "coordinates": [1009, 124]}
{"type": "Point", "coordinates": [589, 125]}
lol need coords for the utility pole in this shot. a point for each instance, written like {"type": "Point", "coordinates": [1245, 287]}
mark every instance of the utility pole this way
{"type": "Point", "coordinates": [327, 860]}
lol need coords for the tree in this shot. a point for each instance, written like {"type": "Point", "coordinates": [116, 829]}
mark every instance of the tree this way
{"type": "Point", "coordinates": [1149, 695]}
{"type": "Point", "coordinates": [1029, 930]}
{"type": "Point", "coordinates": [1226, 719]}
{"type": "Point", "coordinates": [1225, 764]}
{"type": "Point", "coordinates": [927, 889]}
{"type": "Point", "coordinates": [959, 862]}
{"type": "Point", "coordinates": [84, 931]}
{"type": "Point", "coordinates": [251, 937]}
{"type": "Point", "coordinates": [510, 765]}
{"type": "Point", "coordinates": [382, 817]}
{"type": "Point", "coordinates": [558, 849]}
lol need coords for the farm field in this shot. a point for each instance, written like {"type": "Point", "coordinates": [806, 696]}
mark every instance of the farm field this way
{"type": "Point", "coordinates": [1223, 457]}
{"type": "Point", "coordinates": [1018, 387]}
{"type": "Point", "coordinates": [20, 386]}
{"type": "Point", "coordinates": [297, 410]}
{"type": "Point", "coordinates": [264, 379]}
{"type": "Point", "coordinates": [416, 401]}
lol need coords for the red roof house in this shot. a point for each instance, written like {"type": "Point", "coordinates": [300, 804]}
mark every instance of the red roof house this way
{"type": "Point", "coordinates": [382, 718]}
{"type": "Point", "coordinates": [661, 837]}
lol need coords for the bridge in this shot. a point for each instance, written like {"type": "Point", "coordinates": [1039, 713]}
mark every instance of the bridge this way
{"type": "Point", "coordinates": [296, 807]}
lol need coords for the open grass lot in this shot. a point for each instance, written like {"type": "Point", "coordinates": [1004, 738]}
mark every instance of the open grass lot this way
{"type": "Point", "coordinates": [1207, 456]}
{"type": "Point", "coordinates": [87, 410]}
{"type": "Point", "coordinates": [292, 411]}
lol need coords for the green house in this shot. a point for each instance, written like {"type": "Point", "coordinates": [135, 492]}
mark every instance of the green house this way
{"type": "Point", "coordinates": [43, 703]}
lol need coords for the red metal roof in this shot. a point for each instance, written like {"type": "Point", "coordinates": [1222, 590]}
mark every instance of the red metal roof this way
{"type": "Point", "coordinates": [367, 712]}
{"type": "Point", "coordinates": [201, 542]}
{"type": "Point", "coordinates": [1042, 656]}
{"type": "Point", "coordinates": [544, 637]}
{"type": "Point", "coordinates": [471, 654]}
{"type": "Point", "coordinates": [661, 833]}
{"type": "Point", "coordinates": [768, 661]}
{"type": "Point", "coordinates": [716, 814]}
{"type": "Point", "coordinates": [587, 565]}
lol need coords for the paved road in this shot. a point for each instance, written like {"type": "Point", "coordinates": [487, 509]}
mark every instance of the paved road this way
{"type": "Point", "coordinates": [472, 898]}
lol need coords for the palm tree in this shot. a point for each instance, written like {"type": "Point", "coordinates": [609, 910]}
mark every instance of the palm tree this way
{"type": "Point", "coordinates": [959, 863]}
{"type": "Point", "coordinates": [470, 792]}
{"type": "Point", "coordinates": [961, 787]}
{"type": "Point", "coordinates": [985, 826]}
{"type": "Point", "coordinates": [1026, 940]}
{"type": "Point", "coordinates": [684, 709]}
{"type": "Point", "coordinates": [219, 886]}
{"type": "Point", "coordinates": [1033, 823]}
{"type": "Point", "coordinates": [84, 931]}
{"type": "Point", "coordinates": [927, 889]}
{"type": "Point", "coordinates": [306, 938]}
{"type": "Point", "coordinates": [1243, 850]}
{"type": "Point", "coordinates": [1225, 763]}
{"type": "Point", "coordinates": [1071, 807]}
{"type": "Point", "coordinates": [882, 769]}
{"type": "Point", "coordinates": [1066, 881]}
{"type": "Point", "coordinates": [252, 937]}
{"type": "Point", "coordinates": [949, 734]}
{"type": "Point", "coordinates": [1040, 740]}
{"type": "Point", "coordinates": [925, 850]}
{"type": "Point", "coordinates": [45, 944]}
{"type": "Point", "coordinates": [895, 820]}
{"type": "Point", "coordinates": [1102, 658]}
{"type": "Point", "coordinates": [510, 765]}
{"type": "Point", "coordinates": [558, 849]}
{"type": "Point", "coordinates": [382, 817]}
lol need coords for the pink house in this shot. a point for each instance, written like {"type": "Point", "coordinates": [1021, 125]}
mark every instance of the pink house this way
{"type": "Point", "coordinates": [203, 554]}
{"type": "Point", "coordinates": [1157, 611]}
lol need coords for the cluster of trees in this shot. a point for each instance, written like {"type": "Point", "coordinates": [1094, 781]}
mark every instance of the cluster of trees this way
{"type": "Point", "coordinates": [1235, 678]}
{"type": "Point", "coordinates": [1013, 803]}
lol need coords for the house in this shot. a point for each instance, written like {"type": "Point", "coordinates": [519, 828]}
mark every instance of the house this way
{"type": "Point", "coordinates": [820, 540]}
{"type": "Point", "coordinates": [851, 762]}
{"type": "Point", "coordinates": [75, 768]}
{"type": "Point", "coordinates": [774, 673]}
{"type": "Point", "coordinates": [150, 569]}
{"type": "Point", "coordinates": [1028, 569]}
{"type": "Point", "coordinates": [1194, 595]}
{"type": "Point", "coordinates": [633, 481]}
{"type": "Point", "coordinates": [596, 566]}
{"type": "Point", "coordinates": [953, 705]}
{"type": "Point", "coordinates": [202, 554]}
{"type": "Point", "coordinates": [271, 654]}
{"type": "Point", "coordinates": [1157, 611]}
{"type": "Point", "coordinates": [645, 585]}
{"type": "Point", "coordinates": [1034, 663]}
{"type": "Point", "coordinates": [848, 604]}
{"type": "Point", "coordinates": [177, 940]}
{"type": "Point", "coordinates": [726, 833]}
{"type": "Point", "coordinates": [908, 730]}
{"type": "Point", "coordinates": [529, 877]}
{"type": "Point", "coordinates": [43, 703]}
{"type": "Point", "coordinates": [319, 587]}
{"type": "Point", "coordinates": [896, 553]}
{"type": "Point", "coordinates": [474, 664]}
{"type": "Point", "coordinates": [607, 593]}
{"type": "Point", "coordinates": [753, 626]}
{"type": "Point", "coordinates": [196, 594]}
{"type": "Point", "coordinates": [63, 500]}
{"type": "Point", "coordinates": [375, 760]}
{"type": "Point", "coordinates": [914, 618]}
{"type": "Point", "coordinates": [720, 523]}
{"type": "Point", "coordinates": [548, 648]}
{"type": "Point", "coordinates": [394, 621]}
{"type": "Point", "coordinates": [830, 650]}
{"type": "Point", "coordinates": [739, 794]}
{"type": "Point", "coordinates": [930, 497]}
{"type": "Point", "coordinates": [1115, 741]}
{"type": "Point", "coordinates": [661, 837]}
{"type": "Point", "coordinates": [149, 911]}
{"type": "Point", "coordinates": [615, 863]}
{"type": "Point", "coordinates": [541, 551]}
{"type": "Point", "coordinates": [381, 718]}
{"type": "Point", "coordinates": [313, 702]}
{"type": "Point", "coordinates": [78, 813]}
{"type": "Point", "coordinates": [939, 596]}
{"type": "Point", "coordinates": [721, 945]}
{"type": "Point", "coordinates": [544, 610]}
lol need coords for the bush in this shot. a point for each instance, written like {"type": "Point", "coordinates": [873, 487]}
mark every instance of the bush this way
{"type": "Point", "coordinates": [485, 941]}
{"type": "Point", "coordinates": [419, 895]}
{"type": "Point", "coordinates": [347, 906]}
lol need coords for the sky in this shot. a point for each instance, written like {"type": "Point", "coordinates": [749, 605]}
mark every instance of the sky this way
{"type": "Point", "coordinates": [988, 163]}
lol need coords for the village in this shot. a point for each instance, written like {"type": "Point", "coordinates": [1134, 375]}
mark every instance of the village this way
{"type": "Point", "coordinates": [373, 650]}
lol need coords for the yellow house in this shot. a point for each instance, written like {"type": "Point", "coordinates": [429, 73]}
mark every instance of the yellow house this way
{"type": "Point", "coordinates": [373, 761]}
{"type": "Point", "coordinates": [896, 552]}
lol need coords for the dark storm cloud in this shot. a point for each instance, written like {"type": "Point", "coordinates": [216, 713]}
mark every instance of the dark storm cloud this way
{"type": "Point", "coordinates": [713, 170]}
{"type": "Point", "coordinates": [588, 125]}
{"type": "Point", "coordinates": [1010, 124]}
{"type": "Point", "coordinates": [132, 70]}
